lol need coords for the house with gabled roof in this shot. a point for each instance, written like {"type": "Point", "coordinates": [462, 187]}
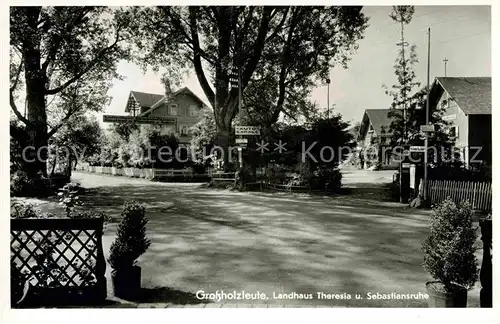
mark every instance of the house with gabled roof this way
{"type": "Point", "coordinates": [182, 107]}
{"type": "Point", "coordinates": [467, 103]}
{"type": "Point", "coordinates": [375, 130]}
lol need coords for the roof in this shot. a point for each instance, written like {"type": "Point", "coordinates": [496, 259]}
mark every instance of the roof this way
{"type": "Point", "coordinates": [472, 94]}
{"type": "Point", "coordinates": [146, 99]}
{"type": "Point", "coordinates": [379, 120]}
{"type": "Point", "coordinates": [175, 93]}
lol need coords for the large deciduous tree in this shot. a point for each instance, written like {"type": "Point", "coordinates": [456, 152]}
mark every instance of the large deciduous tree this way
{"type": "Point", "coordinates": [279, 53]}
{"type": "Point", "coordinates": [64, 58]}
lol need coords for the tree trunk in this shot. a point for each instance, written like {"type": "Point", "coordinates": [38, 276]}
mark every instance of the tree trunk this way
{"type": "Point", "coordinates": [36, 80]}
{"type": "Point", "coordinates": [37, 115]}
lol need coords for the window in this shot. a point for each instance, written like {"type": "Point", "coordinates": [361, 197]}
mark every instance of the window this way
{"type": "Point", "coordinates": [453, 131]}
{"type": "Point", "coordinates": [184, 129]}
{"type": "Point", "coordinates": [173, 109]}
{"type": "Point", "coordinates": [192, 111]}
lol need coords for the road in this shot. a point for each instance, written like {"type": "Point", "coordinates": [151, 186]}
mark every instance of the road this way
{"type": "Point", "coordinates": [213, 240]}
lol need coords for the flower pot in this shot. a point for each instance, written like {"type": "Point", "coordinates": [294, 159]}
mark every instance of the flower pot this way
{"type": "Point", "coordinates": [439, 298]}
{"type": "Point", "coordinates": [127, 283]}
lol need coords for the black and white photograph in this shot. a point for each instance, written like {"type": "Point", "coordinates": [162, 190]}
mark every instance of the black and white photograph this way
{"type": "Point", "coordinates": [250, 156]}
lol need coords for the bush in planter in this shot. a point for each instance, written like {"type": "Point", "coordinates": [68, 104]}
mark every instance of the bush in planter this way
{"type": "Point", "coordinates": [131, 242]}
{"type": "Point", "coordinates": [449, 254]}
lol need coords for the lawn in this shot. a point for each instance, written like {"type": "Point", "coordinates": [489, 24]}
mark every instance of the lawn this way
{"type": "Point", "coordinates": [205, 239]}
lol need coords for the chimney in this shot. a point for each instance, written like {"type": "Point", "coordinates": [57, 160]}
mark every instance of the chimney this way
{"type": "Point", "coordinates": [168, 86]}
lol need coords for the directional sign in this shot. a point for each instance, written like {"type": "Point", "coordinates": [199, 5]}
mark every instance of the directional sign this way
{"type": "Point", "coordinates": [450, 117]}
{"type": "Point", "coordinates": [138, 120]}
{"type": "Point", "coordinates": [241, 140]}
{"type": "Point", "coordinates": [427, 128]}
{"type": "Point", "coordinates": [417, 148]}
{"type": "Point", "coordinates": [247, 130]}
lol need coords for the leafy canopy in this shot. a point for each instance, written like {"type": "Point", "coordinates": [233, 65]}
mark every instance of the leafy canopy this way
{"type": "Point", "coordinates": [278, 52]}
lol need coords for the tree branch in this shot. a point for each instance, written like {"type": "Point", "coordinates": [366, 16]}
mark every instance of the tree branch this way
{"type": "Point", "coordinates": [258, 47]}
{"type": "Point", "coordinates": [69, 114]}
{"type": "Point", "coordinates": [283, 72]}
{"type": "Point", "coordinates": [58, 38]}
{"type": "Point", "coordinates": [197, 57]}
{"type": "Point", "coordinates": [16, 111]}
{"type": "Point", "coordinates": [178, 22]}
{"type": "Point", "coordinates": [92, 64]}
{"type": "Point", "coordinates": [19, 69]}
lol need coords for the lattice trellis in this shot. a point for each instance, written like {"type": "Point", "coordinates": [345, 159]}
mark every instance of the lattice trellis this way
{"type": "Point", "coordinates": [59, 253]}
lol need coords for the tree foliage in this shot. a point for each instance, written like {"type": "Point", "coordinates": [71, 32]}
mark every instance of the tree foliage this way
{"type": "Point", "coordinates": [80, 137]}
{"type": "Point", "coordinates": [203, 135]}
{"type": "Point", "coordinates": [63, 59]}
{"type": "Point", "coordinates": [449, 248]}
{"type": "Point", "coordinates": [279, 52]}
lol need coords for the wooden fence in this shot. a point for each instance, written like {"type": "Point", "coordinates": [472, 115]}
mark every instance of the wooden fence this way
{"type": "Point", "coordinates": [146, 173]}
{"type": "Point", "coordinates": [61, 258]}
{"type": "Point", "coordinates": [479, 194]}
{"type": "Point", "coordinates": [222, 178]}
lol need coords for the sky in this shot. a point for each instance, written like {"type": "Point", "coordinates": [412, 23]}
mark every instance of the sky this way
{"type": "Point", "coordinates": [462, 34]}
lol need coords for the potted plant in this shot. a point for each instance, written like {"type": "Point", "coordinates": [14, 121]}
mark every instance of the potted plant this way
{"type": "Point", "coordinates": [129, 245]}
{"type": "Point", "coordinates": [449, 255]}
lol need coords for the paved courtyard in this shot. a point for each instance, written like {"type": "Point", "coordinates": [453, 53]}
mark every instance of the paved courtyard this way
{"type": "Point", "coordinates": [272, 243]}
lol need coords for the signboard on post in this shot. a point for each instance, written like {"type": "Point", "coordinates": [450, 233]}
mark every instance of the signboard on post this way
{"type": "Point", "coordinates": [417, 148]}
{"type": "Point", "coordinates": [138, 120]}
{"type": "Point", "coordinates": [427, 128]}
{"type": "Point", "coordinates": [247, 130]}
{"type": "Point", "coordinates": [241, 140]}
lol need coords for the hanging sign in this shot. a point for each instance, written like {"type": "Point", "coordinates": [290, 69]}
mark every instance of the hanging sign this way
{"type": "Point", "coordinates": [137, 120]}
{"type": "Point", "coordinates": [247, 130]}
{"type": "Point", "coordinates": [427, 128]}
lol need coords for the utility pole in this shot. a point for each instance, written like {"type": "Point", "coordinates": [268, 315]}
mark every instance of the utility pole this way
{"type": "Point", "coordinates": [402, 19]}
{"type": "Point", "coordinates": [328, 98]}
{"type": "Point", "coordinates": [445, 62]}
{"type": "Point", "coordinates": [426, 154]}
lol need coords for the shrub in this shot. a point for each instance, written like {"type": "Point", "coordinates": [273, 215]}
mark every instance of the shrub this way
{"type": "Point", "coordinates": [276, 173]}
{"type": "Point", "coordinates": [245, 174]}
{"type": "Point", "coordinates": [131, 241]}
{"type": "Point", "coordinates": [58, 180]}
{"type": "Point", "coordinates": [68, 197]}
{"type": "Point", "coordinates": [327, 178]}
{"type": "Point", "coordinates": [459, 173]}
{"type": "Point", "coordinates": [93, 214]}
{"type": "Point", "coordinates": [20, 184]}
{"type": "Point", "coordinates": [449, 248]}
{"type": "Point", "coordinates": [21, 210]}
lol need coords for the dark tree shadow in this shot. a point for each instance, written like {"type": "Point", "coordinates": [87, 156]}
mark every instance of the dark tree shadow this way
{"type": "Point", "coordinates": [169, 295]}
